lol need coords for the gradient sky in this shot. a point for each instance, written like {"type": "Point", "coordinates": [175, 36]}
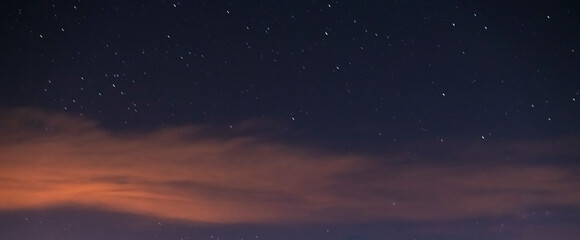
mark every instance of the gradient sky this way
{"type": "Point", "coordinates": [279, 120]}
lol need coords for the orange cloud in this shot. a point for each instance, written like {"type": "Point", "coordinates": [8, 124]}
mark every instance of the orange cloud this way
{"type": "Point", "coordinates": [49, 159]}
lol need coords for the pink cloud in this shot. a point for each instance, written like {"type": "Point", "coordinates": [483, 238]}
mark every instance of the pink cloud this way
{"type": "Point", "coordinates": [49, 159]}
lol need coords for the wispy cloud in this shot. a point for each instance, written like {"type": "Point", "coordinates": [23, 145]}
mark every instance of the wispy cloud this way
{"type": "Point", "coordinates": [50, 159]}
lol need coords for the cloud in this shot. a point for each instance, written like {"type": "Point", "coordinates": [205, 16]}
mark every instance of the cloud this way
{"type": "Point", "coordinates": [51, 159]}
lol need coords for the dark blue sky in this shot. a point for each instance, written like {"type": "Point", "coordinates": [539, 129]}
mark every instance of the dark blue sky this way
{"type": "Point", "coordinates": [405, 69]}
{"type": "Point", "coordinates": [358, 96]}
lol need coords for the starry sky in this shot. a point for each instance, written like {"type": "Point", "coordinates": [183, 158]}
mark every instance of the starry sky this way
{"type": "Point", "coordinates": [279, 120]}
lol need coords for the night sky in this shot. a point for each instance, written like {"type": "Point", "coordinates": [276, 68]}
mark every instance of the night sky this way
{"type": "Point", "coordinates": [280, 120]}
